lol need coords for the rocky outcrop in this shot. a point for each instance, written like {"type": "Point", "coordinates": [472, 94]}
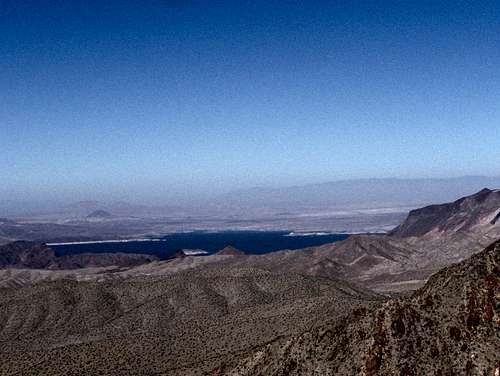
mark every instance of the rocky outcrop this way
{"type": "Point", "coordinates": [26, 254]}
{"type": "Point", "coordinates": [496, 218]}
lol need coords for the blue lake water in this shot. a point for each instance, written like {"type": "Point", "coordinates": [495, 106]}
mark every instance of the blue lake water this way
{"type": "Point", "coordinates": [251, 242]}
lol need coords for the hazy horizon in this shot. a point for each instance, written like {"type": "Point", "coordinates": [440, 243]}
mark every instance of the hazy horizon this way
{"type": "Point", "coordinates": [375, 192]}
{"type": "Point", "coordinates": [182, 100]}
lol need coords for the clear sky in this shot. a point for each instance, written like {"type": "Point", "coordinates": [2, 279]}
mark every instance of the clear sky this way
{"type": "Point", "coordinates": [161, 99]}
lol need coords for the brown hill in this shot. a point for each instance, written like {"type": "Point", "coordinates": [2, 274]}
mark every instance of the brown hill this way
{"type": "Point", "coordinates": [230, 251]}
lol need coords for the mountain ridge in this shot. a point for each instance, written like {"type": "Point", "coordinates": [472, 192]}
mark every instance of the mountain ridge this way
{"type": "Point", "coordinates": [371, 192]}
{"type": "Point", "coordinates": [482, 207]}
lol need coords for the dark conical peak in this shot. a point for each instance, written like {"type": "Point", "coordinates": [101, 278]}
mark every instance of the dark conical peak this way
{"type": "Point", "coordinates": [479, 197]}
{"type": "Point", "coordinates": [483, 193]}
{"type": "Point", "coordinates": [484, 190]}
{"type": "Point", "coordinates": [99, 214]}
{"type": "Point", "coordinates": [230, 251]}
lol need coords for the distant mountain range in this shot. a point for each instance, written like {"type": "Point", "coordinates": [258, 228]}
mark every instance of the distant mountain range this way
{"type": "Point", "coordinates": [362, 193]}
{"type": "Point", "coordinates": [262, 201]}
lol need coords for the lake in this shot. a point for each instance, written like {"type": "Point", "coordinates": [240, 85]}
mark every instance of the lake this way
{"type": "Point", "coordinates": [251, 242]}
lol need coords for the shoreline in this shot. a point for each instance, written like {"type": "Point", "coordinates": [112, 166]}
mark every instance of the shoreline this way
{"type": "Point", "coordinates": [108, 241]}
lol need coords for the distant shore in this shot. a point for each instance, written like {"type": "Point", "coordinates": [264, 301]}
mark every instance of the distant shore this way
{"type": "Point", "coordinates": [108, 241]}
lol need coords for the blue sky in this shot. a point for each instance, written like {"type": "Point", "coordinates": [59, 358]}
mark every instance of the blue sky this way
{"type": "Point", "coordinates": [156, 100]}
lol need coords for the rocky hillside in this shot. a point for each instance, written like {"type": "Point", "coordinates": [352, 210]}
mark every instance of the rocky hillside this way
{"type": "Point", "coordinates": [26, 254]}
{"type": "Point", "coordinates": [22, 254]}
{"type": "Point", "coordinates": [449, 327]}
{"type": "Point", "coordinates": [369, 260]}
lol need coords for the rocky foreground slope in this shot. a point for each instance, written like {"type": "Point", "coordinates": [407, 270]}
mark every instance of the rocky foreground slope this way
{"type": "Point", "coordinates": [449, 327]}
